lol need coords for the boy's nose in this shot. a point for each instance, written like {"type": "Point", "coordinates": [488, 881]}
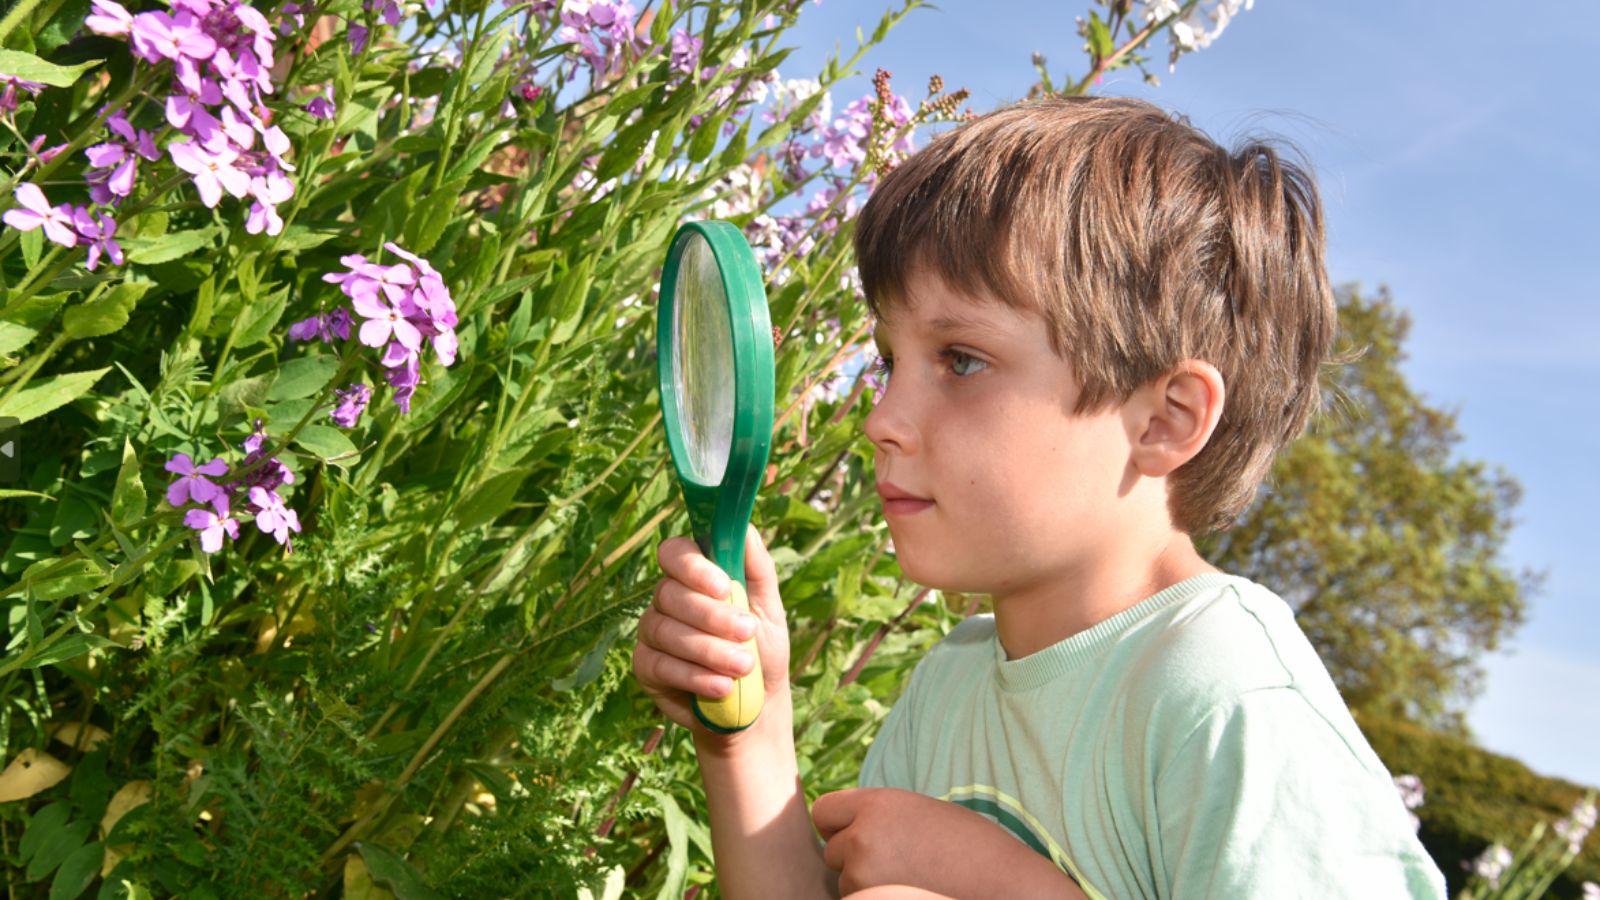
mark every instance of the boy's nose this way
{"type": "Point", "coordinates": [888, 427]}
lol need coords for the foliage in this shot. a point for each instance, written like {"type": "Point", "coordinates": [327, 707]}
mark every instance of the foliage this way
{"type": "Point", "coordinates": [1477, 799]}
{"type": "Point", "coordinates": [342, 471]}
{"type": "Point", "coordinates": [1388, 543]}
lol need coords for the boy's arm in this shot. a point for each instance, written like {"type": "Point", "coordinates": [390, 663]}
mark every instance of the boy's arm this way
{"type": "Point", "coordinates": [888, 836]}
{"type": "Point", "coordinates": [761, 833]}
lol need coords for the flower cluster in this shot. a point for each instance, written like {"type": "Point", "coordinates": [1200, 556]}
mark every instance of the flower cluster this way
{"type": "Point", "coordinates": [222, 55]}
{"type": "Point", "coordinates": [1577, 825]}
{"type": "Point", "coordinates": [1195, 31]}
{"type": "Point", "coordinates": [1411, 794]}
{"type": "Point", "coordinates": [213, 516]}
{"type": "Point", "coordinates": [1491, 864]}
{"type": "Point", "coordinates": [65, 224]}
{"type": "Point", "coordinates": [602, 31]}
{"type": "Point", "coordinates": [401, 306]}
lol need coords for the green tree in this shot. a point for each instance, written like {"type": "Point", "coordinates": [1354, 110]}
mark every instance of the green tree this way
{"type": "Point", "coordinates": [1387, 543]}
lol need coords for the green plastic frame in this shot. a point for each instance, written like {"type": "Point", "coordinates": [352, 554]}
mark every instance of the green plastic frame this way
{"type": "Point", "coordinates": [719, 514]}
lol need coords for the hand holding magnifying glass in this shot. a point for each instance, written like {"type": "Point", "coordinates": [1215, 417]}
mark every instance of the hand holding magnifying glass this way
{"type": "Point", "coordinates": [714, 357]}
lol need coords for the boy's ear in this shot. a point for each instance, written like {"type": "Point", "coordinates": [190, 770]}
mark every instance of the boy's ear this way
{"type": "Point", "coordinates": [1173, 416]}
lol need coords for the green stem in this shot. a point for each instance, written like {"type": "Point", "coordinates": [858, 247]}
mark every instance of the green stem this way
{"type": "Point", "coordinates": [33, 364]}
{"type": "Point", "coordinates": [22, 10]}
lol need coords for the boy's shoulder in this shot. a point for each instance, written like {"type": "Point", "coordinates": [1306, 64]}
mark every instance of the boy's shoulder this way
{"type": "Point", "coordinates": [1229, 653]}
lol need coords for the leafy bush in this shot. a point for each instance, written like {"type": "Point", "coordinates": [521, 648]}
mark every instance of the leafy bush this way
{"type": "Point", "coordinates": [1476, 798]}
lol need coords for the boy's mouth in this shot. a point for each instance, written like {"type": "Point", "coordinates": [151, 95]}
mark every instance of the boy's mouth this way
{"type": "Point", "coordinates": [899, 501]}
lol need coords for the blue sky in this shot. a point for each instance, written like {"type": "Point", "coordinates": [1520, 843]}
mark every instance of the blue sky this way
{"type": "Point", "coordinates": [1456, 153]}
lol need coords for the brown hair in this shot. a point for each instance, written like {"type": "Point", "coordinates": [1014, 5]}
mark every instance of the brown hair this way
{"type": "Point", "coordinates": [1142, 243]}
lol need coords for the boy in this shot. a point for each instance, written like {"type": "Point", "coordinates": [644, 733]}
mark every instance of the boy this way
{"type": "Point", "coordinates": [1100, 328]}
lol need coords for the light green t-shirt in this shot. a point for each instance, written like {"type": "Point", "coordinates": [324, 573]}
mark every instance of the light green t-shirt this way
{"type": "Point", "coordinates": [1192, 745]}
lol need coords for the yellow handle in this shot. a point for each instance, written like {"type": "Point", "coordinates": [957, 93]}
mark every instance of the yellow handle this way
{"type": "Point", "coordinates": [740, 707]}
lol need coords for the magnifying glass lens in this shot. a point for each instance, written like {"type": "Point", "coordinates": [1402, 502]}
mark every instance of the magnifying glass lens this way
{"type": "Point", "coordinates": [702, 367]}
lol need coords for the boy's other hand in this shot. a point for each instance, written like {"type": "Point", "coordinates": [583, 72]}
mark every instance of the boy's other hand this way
{"type": "Point", "coordinates": [885, 836]}
{"type": "Point", "coordinates": [689, 636]}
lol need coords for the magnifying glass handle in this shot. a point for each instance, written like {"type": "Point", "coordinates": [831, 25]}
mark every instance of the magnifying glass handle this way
{"type": "Point", "coordinates": [736, 711]}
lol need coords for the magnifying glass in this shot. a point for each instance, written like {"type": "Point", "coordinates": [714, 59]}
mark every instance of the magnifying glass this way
{"type": "Point", "coordinates": [714, 361]}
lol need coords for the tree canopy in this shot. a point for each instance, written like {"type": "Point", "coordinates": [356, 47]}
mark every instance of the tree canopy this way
{"type": "Point", "coordinates": [1386, 542]}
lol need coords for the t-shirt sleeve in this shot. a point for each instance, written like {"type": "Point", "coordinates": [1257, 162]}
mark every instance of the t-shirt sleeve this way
{"type": "Point", "coordinates": [891, 758]}
{"type": "Point", "coordinates": [1266, 799]}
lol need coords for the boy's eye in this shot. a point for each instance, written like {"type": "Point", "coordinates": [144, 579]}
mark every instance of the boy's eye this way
{"type": "Point", "coordinates": [962, 364]}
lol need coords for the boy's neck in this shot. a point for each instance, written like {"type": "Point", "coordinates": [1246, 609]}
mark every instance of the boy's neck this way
{"type": "Point", "coordinates": [1037, 616]}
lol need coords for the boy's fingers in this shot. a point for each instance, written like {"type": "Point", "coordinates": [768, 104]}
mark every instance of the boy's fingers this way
{"type": "Point", "coordinates": [718, 617]}
{"type": "Point", "coordinates": [832, 813]}
{"type": "Point", "coordinates": [690, 644]}
{"type": "Point", "coordinates": [651, 666]}
{"type": "Point", "coordinates": [681, 559]}
{"type": "Point", "coordinates": [761, 577]}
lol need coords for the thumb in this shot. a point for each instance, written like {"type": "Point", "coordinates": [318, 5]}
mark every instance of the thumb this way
{"type": "Point", "coordinates": [761, 577]}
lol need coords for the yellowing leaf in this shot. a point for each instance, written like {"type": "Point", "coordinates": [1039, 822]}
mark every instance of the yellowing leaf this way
{"type": "Point", "coordinates": [71, 733]}
{"type": "Point", "coordinates": [30, 773]}
{"type": "Point", "coordinates": [127, 797]}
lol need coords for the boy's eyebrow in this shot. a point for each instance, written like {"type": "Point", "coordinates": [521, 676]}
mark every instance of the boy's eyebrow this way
{"type": "Point", "coordinates": [948, 322]}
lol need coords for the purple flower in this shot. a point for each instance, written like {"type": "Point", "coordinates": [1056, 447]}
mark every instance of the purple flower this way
{"type": "Point", "coordinates": [268, 475]}
{"type": "Point", "coordinates": [109, 18]}
{"type": "Point", "coordinates": [36, 212]}
{"type": "Point", "coordinates": [352, 403]}
{"type": "Point", "coordinates": [404, 379]}
{"type": "Point", "coordinates": [45, 155]}
{"type": "Point", "coordinates": [323, 326]}
{"type": "Point", "coordinates": [383, 320]}
{"type": "Point", "coordinates": [193, 485]}
{"type": "Point", "coordinates": [176, 37]}
{"type": "Point", "coordinates": [272, 517]}
{"type": "Point", "coordinates": [213, 523]}
{"type": "Point", "coordinates": [322, 107]}
{"type": "Point", "coordinates": [8, 96]}
{"type": "Point", "coordinates": [98, 232]}
{"type": "Point", "coordinates": [685, 56]}
{"type": "Point", "coordinates": [212, 171]}
{"type": "Point", "coordinates": [389, 10]}
{"type": "Point", "coordinates": [358, 39]}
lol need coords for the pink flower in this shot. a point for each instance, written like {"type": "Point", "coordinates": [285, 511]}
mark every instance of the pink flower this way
{"type": "Point", "coordinates": [109, 18]}
{"type": "Point", "coordinates": [36, 211]}
{"type": "Point", "coordinates": [98, 234]}
{"type": "Point", "coordinates": [193, 485]}
{"type": "Point", "coordinates": [212, 525]}
{"type": "Point", "coordinates": [176, 37]}
{"type": "Point", "coordinates": [273, 517]}
{"type": "Point", "coordinates": [212, 171]}
{"type": "Point", "coordinates": [383, 319]}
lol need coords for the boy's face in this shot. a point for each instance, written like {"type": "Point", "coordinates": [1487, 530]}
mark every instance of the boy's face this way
{"type": "Point", "coordinates": [977, 418]}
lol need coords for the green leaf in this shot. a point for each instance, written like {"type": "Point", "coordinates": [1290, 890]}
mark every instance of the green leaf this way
{"type": "Point", "coordinates": [43, 828]}
{"type": "Point", "coordinates": [128, 498]}
{"type": "Point", "coordinates": [593, 662]}
{"type": "Point", "coordinates": [67, 840]}
{"type": "Point", "coordinates": [31, 68]}
{"type": "Point", "coordinates": [70, 646]}
{"type": "Point", "coordinates": [106, 315]}
{"type": "Point", "coordinates": [303, 377]}
{"type": "Point", "coordinates": [78, 577]}
{"type": "Point", "coordinates": [168, 247]}
{"type": "Point", "coordinates": [259, 318]}
{"type": "Point", "coordinates": [7, 494]}
{"type": "Point", "coordinates": [567, 302]}
{"type": "Point", "coordinates": [492, 498]}
{"type": "Point", "coordinates": [430, 216]}
{"type": "Point", "coordinates": [1100, 42]}
{"type": "Point", "coordinates": [389, 869]}
{"type": "Point", "coordinates": [37, 399]}
{"type": "Point", "coordinates": [325, 441]}
{"type": "Point", "coordinates": [77, 871]}
{"type": "Point", "coordinates": [677, 844]}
